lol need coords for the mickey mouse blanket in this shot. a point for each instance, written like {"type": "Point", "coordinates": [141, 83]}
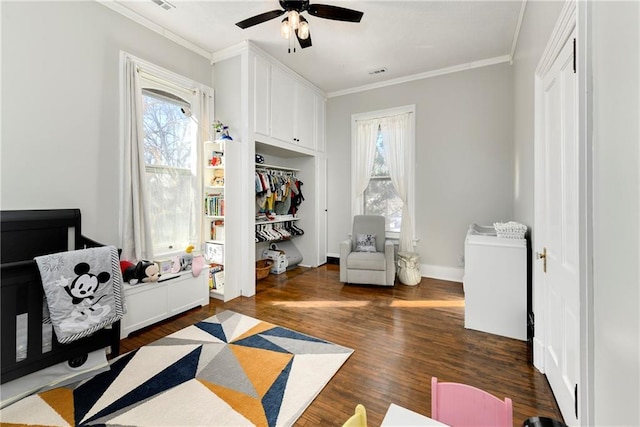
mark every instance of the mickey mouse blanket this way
{"type": "Point", "coordinates": [83, 290]}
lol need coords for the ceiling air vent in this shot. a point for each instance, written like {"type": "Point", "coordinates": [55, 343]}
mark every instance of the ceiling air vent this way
{"type": "Point", "coordinates": [378, 71]}
{"type": "Point", "coordinates": [164, 4]}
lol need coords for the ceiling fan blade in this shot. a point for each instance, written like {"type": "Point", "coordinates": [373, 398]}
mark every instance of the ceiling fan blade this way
{"type": "Point", "coordinates": [335, 12]}
{"type": "Point", "coordinates": [259, 19]}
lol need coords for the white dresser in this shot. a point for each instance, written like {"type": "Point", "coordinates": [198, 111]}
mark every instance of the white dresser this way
{"type": "Point", "coordinates": [495, 283]}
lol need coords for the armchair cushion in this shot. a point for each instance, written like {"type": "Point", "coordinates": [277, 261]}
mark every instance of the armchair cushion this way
{"type": "Point", "coordinates": [366, 243]}
{"type": "Point", "coordinates": [366, 261]}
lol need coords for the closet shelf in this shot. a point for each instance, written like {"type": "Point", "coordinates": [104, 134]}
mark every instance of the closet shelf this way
{"type": "Point", "coordinates": [272, 167]}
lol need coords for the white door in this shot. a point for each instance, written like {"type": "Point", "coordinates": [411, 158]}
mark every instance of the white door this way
{"type": "Point", "coordinates": [321, 183]}
{"type": "Point", "coordinates": [557, 230]}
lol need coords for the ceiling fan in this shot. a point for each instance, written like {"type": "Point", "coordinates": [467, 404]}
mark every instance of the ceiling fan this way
{"type": "Point", "coordinates": [296, 23]}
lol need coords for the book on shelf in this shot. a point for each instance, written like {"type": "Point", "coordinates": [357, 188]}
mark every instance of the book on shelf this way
{"type": "Point", "coordinates": [213, 269]}
{"type": "Point", "coordinates": [217, 229]}
{"type": "Point", "coordinates": [214, 205]}
{"type": "Point", "coordinates": [218, 281]}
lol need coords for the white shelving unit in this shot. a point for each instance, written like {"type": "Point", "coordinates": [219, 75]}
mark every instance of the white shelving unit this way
{"type": "Point", "coordinates": [244, 92]}
{"type": "Point", "coordinates": [214, 210]}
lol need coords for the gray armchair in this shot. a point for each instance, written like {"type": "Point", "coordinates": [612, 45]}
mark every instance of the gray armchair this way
{"type": "Point", "coordinates": [374, 268]}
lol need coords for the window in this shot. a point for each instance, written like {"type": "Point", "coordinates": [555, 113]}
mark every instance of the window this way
{"type": "Point", "coordinates": [170, 158]}
{"type": "Point", "coordinates": [165, 119]}
{"type": "Point", "coordinates": [380, 197]}
{"type": "Point", "coordinates": [382, 169]}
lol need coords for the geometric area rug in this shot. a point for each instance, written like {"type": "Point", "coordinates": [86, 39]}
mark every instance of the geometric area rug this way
{"type": "Point", "coordinates": [228, 370]}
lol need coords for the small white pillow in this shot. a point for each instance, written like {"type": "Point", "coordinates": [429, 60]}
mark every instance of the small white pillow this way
{"type": "Point", "coordinates": [365, 243]}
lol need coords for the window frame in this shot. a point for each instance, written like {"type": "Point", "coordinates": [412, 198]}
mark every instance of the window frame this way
{"type": "Point", "coordinates": [155, 77]}
{"type": "Point", "coordinates": [357, 205]}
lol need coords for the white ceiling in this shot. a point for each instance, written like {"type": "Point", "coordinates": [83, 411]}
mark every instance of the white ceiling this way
{"type": "Point", "coordinates": [406, 37]}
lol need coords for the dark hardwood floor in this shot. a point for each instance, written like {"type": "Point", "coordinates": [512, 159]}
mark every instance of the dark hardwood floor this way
{"type": "Point", "coordinates": [402, 336]}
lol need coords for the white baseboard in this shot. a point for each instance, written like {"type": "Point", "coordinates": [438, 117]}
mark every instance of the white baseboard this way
{"type": "Point", "coordinates": [538, 354]}
{"type": "Point", "coordinates": [439, 272]}
{"type": "Point", "coordinates": [452, 274]}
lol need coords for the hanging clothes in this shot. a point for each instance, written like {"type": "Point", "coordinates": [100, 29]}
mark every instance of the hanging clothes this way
{"type": "Point", "coordinates": [276, 191]}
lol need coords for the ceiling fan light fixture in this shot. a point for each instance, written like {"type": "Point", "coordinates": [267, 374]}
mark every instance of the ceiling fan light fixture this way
{"type": "Point", "coordinates": [285, 29]}
{"type": "Point", "coordinates": [303, 31]}
{"type": "Point", "coordinates": [294, 19]}
{"type": "Point", "coordinates": [295, 23]}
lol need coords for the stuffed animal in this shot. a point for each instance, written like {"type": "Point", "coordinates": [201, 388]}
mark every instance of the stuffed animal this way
{"type": "Point", "coordinates": [187, 258]}
{"type": "Point", "coordinates": [142, 272]}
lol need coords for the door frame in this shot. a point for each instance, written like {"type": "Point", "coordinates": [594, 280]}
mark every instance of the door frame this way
{"type": "Point", "coordinates": [575, 15]}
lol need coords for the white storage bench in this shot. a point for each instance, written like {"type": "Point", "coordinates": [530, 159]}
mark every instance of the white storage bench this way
{"type": "Point", "coordinates": [149, 303]}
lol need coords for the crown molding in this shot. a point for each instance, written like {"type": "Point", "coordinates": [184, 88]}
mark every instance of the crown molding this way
{"type": "Point", "coordinates": [565, 25]}
{"type": "Point", "coordinates": [230, 52]}
{"type": "Point", "coordinates": [425, 75]}
{"type": "Point", "coordinates": [128, 13]}
{"type": "Point", "coordinates": [516, 34]}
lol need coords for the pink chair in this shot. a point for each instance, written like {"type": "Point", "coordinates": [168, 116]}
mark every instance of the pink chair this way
{"type": "Point", "coordinates": [461, 405]}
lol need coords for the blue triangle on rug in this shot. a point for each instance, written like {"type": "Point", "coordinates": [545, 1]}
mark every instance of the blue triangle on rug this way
{"type": "Point", "coordinates": [214, 329]}
{"type": "Point", "coordinates": [256, 341]}
{"type": "Point", "coordinates": [180, 371]}
{"type": "Point", "coordinates": [279, 331]}
{"type": "Point", "coordinates": [87, 394]}
{"type": "Point", "coordinates": [272, 400]}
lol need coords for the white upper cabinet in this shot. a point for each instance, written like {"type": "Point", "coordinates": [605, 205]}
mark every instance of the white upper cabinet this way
{"type": "Point", "coordinates": [283, 94]}
{"type": "Point", "coordinates": [261, 96]}
{"type": "Point", "coordinates": [286, 110]}
{"type": "Point", "coordinates": [304, 117]}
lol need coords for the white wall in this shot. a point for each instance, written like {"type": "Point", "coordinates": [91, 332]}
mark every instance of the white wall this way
{"type": "Point", "coordinates": [539, 19]}
{"type": "Point", "coordinates": [616, 198]}
{"type": "Point", "coordinates": [464, 156]}
{"type": "Point", "coordinates": [61, 102]}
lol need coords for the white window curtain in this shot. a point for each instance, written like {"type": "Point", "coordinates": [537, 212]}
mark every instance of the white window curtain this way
{"type": "Point", "coordinates": [136, 236]}
{"type": "Point", "coordinates": [364, 153]}
{"type": "Point", "coordinates": [396, 131]}
{"type": "Point", "coordinates": [204, 134]}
